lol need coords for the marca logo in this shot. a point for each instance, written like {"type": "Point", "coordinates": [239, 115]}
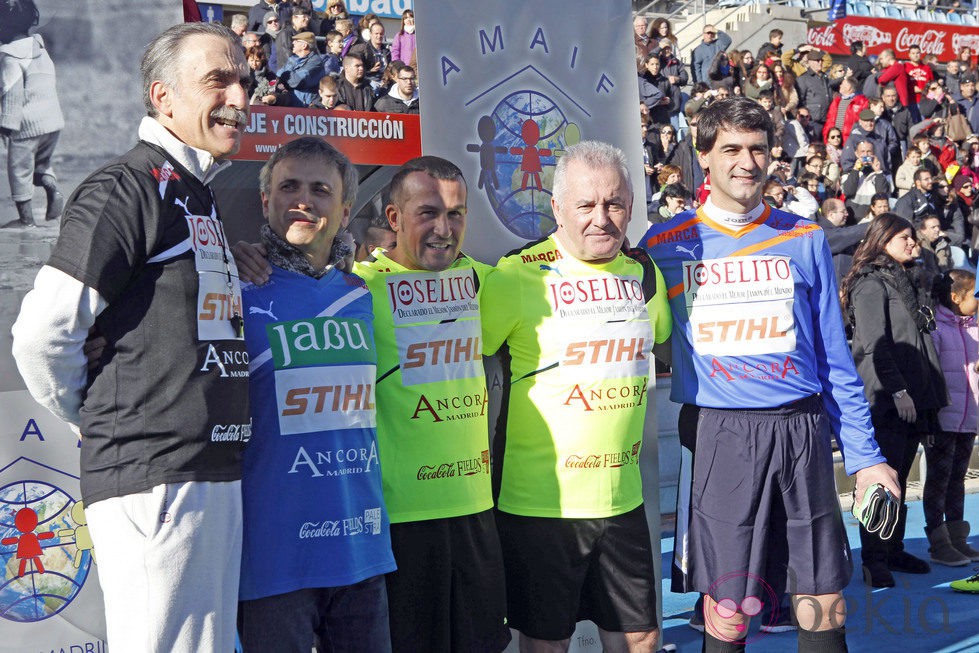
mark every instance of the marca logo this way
{"type": "Point", "coordinates": [219, 306]}
{"type": "Point", "coordinates": [541, 257]}
{"type": "Point", "coordinates": [335, 462]}
{"type": "Point", "coordinates": [231, 432]}
{"type": "Point", "coordinates": [230, 362]}
{"type": "Point", "coordinates": [442, 352]}
{"type": "Point", "coordinates": [761, 371]}
{"type": "Point", "coordinates": [607, 460]}
{"type": "Point", "coordinates": [320, 340]}
{"type": "Point", "coordinates": [616, 350]}
{"type": "Point", "coordinates": [682, 235]}
{"type": "Point", "coordinates": [451, 408]}
{"type": "Point", "coordinates": [615, 397]}
{"type": "Point", "coordinates": [930, 41]}
{"type": "Point", "coordinates": [456, 469]}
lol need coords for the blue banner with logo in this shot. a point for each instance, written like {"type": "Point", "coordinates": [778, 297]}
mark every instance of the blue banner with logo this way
{"type": "Point", "coordinates": [837, 10]}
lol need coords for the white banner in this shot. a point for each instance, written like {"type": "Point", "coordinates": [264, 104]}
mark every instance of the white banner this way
{"type": "Point", "coordinates": [506, 89]}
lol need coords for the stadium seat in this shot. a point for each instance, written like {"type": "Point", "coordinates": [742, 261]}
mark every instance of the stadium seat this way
{"type": "Point", "coordinates": [862, 8]}
{"type": "Point", "coordinates": [969, 19]}
{"type": "Point", "coordinates": [955, 19]}
{"type": "Point", "coordinates": [894, 12]}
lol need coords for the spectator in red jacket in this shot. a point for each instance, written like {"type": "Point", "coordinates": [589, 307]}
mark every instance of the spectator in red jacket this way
{"type": "Point", "coordinates": [894, 72]}
{"type": "Point", "coordinates": [844, 110]}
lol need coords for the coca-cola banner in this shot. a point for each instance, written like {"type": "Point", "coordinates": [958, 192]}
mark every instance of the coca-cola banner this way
{"type": "Point", "coordinates": [879, 34]}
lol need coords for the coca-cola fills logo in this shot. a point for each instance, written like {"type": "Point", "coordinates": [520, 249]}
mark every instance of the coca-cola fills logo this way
{"type": "Point", "coordinates": [870, 35]}
{"type": "Point", "coordinates": [931, 41]}
{"type": "Point", "coordinates": [960, 41]}
{"type": "Point", "coordinates": [822, 37]}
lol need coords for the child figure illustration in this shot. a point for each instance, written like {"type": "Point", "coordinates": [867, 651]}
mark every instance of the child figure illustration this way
{"type": "Point", "coordinates": [530, 161]}
{"type": "Point", "coordinates": [83, 539]}
{"type": "Point", "coordinates": [28, 544]}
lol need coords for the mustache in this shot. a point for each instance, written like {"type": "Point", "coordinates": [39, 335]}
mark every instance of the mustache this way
{"type": "Point", "coordinates": [230, 114]}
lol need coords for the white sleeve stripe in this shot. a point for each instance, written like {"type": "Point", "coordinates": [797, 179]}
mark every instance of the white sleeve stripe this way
{"type": "Point", "coordinates": [173, 252]}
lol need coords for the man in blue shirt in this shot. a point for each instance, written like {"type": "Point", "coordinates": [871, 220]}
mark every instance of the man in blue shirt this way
{"type": "Point", "coordinates": [762, 367]}
{"type": "Point", "coordinates": [316, 531]}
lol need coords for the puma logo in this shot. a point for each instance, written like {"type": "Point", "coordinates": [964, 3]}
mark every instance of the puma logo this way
{"type": "Point", "coordinates": [254, 310]}
{"type": "Point", "coordinates": [691, 252]}
{"type": "Point", "coordinates": [183, 205]}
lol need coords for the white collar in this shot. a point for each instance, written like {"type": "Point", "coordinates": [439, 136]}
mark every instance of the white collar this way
{"type": "Point", "coordinates": [200, 163]}
{"type": "Point", "coordinates": [729, 218]}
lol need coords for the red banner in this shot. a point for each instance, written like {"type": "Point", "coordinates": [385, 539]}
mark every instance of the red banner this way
{"type": "Point", "coordinates": [942, 40]}
{"type": "Point", "coordinates": [366, 138]}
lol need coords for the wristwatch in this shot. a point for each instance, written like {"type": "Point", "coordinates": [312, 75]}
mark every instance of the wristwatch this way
{"type": "Point", "coordinates": [900, 394]}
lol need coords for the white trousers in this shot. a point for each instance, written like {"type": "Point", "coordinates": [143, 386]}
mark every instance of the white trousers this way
{"type": "Point", "coordinates": [168, 563]}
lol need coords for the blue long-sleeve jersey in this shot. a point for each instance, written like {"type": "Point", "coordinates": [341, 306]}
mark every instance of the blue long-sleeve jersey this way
{"type": "Point", "coordinates": [757, 321]}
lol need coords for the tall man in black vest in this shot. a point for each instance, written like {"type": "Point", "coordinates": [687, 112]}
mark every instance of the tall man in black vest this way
{"type": "Point", "coordinates": [163, 416]}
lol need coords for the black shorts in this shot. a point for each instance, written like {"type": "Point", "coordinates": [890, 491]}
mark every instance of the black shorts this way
{"type": "Point", "coordinates": [562, 571]}
{"type": "Point", "coordinates": [764, 514]}
{"type": "Point", "coordinates": [448, 593]}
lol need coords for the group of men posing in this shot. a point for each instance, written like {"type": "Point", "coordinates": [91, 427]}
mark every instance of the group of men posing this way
{"type": "Point", "coordinates": [342, 417]}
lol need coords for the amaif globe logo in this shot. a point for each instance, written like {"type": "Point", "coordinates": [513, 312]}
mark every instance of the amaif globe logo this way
{"type": "Point", "coordinates": [45, 550]}
{"type": "Point", "coordinates": [520, 143]}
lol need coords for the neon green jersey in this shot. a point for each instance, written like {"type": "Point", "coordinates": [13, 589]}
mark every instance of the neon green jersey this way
{"type": "Point", "coordinates": [578, 338]}
{"type": "Point", "coordinates": [432, 433]}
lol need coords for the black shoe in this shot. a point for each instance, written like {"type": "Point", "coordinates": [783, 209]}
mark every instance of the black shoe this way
{"type": "Point", "coordinates": [14, 224]}
{"type": "Point", "coordinates": [905, 563]}
{"type": "Point", "coordinates": [876, 574]}
{"type": "Point", "coordinates": [56, 205]}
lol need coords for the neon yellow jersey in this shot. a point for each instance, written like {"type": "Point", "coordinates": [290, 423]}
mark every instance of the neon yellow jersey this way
{"type": "Point", "coordinates": [432, 432]}
{"type": "Point", "coordinates": [578, 338]}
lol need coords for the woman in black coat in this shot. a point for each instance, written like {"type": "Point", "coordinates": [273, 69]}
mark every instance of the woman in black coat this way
{"type": "Point", "coordinates": [896, 359]}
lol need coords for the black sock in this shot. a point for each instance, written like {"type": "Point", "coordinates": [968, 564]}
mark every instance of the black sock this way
{"type": "Point", "coordinates": [823, 641]}
{"type": "Point", "coordinates": [714, 645]}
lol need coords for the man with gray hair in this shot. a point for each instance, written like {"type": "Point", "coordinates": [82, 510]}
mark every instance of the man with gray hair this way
{"type": "Point", "coordinates": [163, 414]}
{"type": "Point", "coordinates": [239, 24]}
{"type": "Point", "coordinates": [578, 319]}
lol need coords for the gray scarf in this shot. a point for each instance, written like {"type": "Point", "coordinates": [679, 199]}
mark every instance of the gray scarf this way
{"type": "Point", "coordinates": [282, 254]}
